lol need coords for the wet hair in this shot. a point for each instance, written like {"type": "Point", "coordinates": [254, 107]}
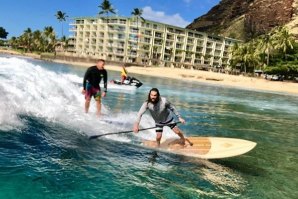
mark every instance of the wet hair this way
{"type": "Point", "coordinates": [155, 90]}
{"type": "Point", "coordinates": [102, 60]}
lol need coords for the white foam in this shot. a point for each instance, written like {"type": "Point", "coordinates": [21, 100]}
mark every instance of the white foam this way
{"type": "Point", "coordinates": [28, 89]}
{"type": "Point", "coordinates": [74, 78]}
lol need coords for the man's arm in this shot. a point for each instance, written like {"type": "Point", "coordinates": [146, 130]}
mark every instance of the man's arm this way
{"type": "Point", "coordinates": [174, 110]}
{"type": "Point", "coordinates": [85, 78]}
{"type": "Point", "coordinates": [105, 81]}
{"type": "Point", "coordinates": [170, 106]}
{"type": "Point", "coordinates": [140, 114]}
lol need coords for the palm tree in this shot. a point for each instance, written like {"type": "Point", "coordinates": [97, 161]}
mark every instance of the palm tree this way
{"type": "Point", "coordinates": [37, 40]}
{"type": "Point", "coordinates": [138, 14]}
{"type": "Point", "coordinates": [247, 55]}
{"type": "Point", "coordinates": [14, 42]}
{"type": "Point", "coordinates": [64, 42]}
{"type": "Point", "coordinates": [50, 38]}
{"type": "Point", "coordinates": [251, 57]}
{"type": "Point", "coordinates": [266, 45]}
{"type": "Point", "coordinates": [61, 16]}
{"type": "Point", "coordinates": [153, 54]}
{"type": "Point", "coordinates": [283, 40]}
{"type": "Point", "coordinates": [27, 39]}
{"type": "Point", "coordinates": [106, 8]}
{"type": "Point", "coordinates": [3, 33]}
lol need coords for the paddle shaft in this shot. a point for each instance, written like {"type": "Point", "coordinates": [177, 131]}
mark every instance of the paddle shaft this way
{"type": "Point", "coordinates": [122, 132]}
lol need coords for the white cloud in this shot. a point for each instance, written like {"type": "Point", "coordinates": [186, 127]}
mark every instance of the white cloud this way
{"type": "Point", "coordinates": [159, 16]}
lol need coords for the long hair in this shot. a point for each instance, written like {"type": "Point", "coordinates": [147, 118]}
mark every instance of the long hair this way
{"type": "Point", "coordinates": [155, 90]}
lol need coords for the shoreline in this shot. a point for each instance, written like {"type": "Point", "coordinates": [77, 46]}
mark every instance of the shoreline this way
{"type": "Point", "coordinates": [213, 78]}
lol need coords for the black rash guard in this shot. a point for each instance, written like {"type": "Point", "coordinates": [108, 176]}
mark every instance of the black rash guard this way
{"type": "Point", "coordinates": [93, 75]}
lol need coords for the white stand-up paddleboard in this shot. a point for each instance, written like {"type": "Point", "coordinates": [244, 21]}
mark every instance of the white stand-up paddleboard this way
{"type": "Point", "coordinates": [204, 147]}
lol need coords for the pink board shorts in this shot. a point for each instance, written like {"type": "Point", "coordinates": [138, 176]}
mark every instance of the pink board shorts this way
{"type": "Point", "coordinates": [95, 92]}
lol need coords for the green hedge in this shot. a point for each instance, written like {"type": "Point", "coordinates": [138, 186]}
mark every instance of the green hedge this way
{"type": "Point", "coordinates": [287, 69]}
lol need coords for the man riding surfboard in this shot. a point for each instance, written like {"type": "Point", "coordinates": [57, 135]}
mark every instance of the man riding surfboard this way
{"type": "Point", "coordinates": [160, 109]}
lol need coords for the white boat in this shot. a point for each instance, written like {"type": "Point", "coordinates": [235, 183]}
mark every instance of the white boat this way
{"type": "Point", "coordinates": [129, 81]}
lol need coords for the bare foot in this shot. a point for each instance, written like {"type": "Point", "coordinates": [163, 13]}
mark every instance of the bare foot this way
{"type": "Point", "coordinates": [189, 142]}
{"type": "Point", "coordinates": [99, 115]}
{"type": "Point", "coordinates": [182, 142]}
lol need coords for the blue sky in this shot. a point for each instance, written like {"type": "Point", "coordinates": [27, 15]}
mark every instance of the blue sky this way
{"type": "Point", "coordinates": [18, 15]}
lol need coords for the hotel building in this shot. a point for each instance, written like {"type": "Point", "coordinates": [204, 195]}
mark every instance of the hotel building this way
{"type": "Point", "coordinates": [124, 39]}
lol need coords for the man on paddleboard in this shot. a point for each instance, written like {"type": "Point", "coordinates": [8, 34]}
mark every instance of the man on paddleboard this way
{"type": "Point", "coordinates": [92, 78]}
{"type": "Point", "coordinates": [161, 110]}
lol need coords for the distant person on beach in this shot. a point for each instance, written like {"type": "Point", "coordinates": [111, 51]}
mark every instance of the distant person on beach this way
{"type": "Point", "coordinates": [123, 74]}
{"type": "Point", "coordinates": [162, 112]}
{"type": "Point", "coordinates": [92, 78]}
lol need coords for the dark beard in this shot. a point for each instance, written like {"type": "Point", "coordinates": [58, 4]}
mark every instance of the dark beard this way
{"type": "Point", "coordinates": [155, 102]}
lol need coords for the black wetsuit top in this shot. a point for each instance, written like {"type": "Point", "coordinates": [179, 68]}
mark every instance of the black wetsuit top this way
{"type": "Point", "coordinates": [93, 75]}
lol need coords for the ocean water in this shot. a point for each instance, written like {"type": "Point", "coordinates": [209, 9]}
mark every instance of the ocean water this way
{"type": "Point", "coordinates": [45, 151]}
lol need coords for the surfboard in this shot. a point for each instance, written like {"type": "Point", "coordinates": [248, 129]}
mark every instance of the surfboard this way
{"type": "Point", "coordinates": [203, 147]}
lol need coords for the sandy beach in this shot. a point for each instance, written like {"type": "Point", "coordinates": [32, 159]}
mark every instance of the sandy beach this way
{"type": "Point", "coordinates": [252, 83]}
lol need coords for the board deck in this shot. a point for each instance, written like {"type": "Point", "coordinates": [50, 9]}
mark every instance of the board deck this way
{"type": "Point", "coordinates": [204, 147]}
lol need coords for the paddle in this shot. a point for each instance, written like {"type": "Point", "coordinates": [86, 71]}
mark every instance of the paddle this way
{"type": "Point", "coordinates": [122, 132]}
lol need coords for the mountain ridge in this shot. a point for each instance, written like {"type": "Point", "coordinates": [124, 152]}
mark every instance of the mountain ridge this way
{"type": "Point", "coordinates": [246, 19]}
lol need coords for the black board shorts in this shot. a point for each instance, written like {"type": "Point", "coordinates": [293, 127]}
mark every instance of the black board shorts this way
{"type": "Point", "coordinates": [160, 125]}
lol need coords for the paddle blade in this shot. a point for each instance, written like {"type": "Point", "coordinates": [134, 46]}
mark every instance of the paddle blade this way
{"type": "Point", "coordinates": [94, 137]}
